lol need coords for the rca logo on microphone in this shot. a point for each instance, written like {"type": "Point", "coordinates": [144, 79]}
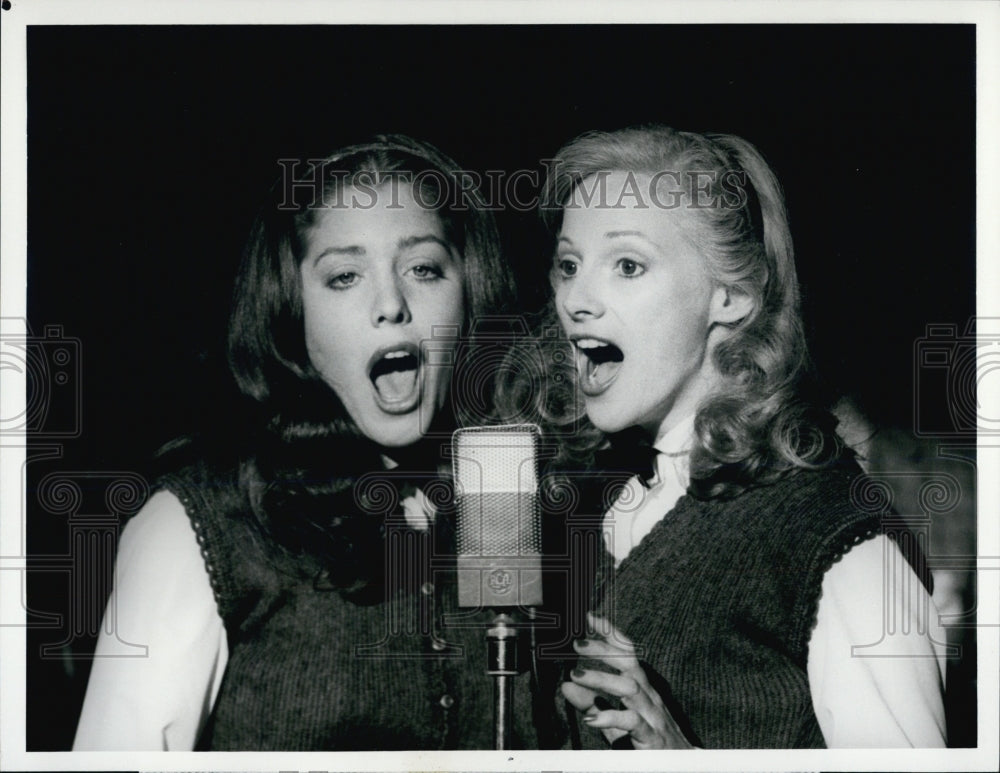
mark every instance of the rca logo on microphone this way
{"type": "Point", "coordinates": [500, 581]}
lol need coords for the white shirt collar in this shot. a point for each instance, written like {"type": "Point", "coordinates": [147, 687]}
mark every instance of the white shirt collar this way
{"type": "Point", "coordinates": [638, 509]}
{"type": "Point", "coordinates": [679, 438]}
{"type": "Point", "coordinates": [672, 462]}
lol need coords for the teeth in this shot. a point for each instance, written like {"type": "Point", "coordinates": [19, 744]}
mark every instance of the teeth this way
{"type": "Point", "coordinates": [396, 354]}
{"type": "Point", "coordinates": [590, 343]}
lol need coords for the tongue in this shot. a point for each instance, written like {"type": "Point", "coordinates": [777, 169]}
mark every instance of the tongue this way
{"type": "Point", "coordinates": [599, 373]}
{"type": "Point", "coordinates": [397, 384]}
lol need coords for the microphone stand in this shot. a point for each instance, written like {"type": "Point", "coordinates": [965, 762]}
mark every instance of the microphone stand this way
{"type": "Point", "coordinates": [501, 664]}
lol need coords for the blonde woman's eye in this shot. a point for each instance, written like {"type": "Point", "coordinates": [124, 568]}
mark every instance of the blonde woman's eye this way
{"type": "Point", "coordinates": [566, 268]}
{"type": "Point", "coordinates": [342, 281]}
{"type": "Point", "coordinates": [630, 268]}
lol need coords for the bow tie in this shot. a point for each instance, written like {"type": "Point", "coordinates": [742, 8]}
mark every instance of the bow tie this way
{"type": "Point", "coordinates": [629, 455]}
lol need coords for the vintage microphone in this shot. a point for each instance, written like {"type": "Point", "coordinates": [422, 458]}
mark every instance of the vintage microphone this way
{"type": "Point", "coordinates": [499, 542]}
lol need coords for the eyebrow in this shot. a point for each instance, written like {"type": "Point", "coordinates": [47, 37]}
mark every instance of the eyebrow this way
{"type": "Point", "coordinates": [616, 234]}
{"type": "Point", "coordinates": [353, 250]}
{"type": "Point", "coordinates": [413, 241]}
{"type": "Point", "coordinates": [402, 244]}
{"type": "Point", "coordinates": [612, 235]}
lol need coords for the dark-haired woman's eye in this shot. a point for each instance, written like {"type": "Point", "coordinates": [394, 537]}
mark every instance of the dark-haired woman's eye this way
{"type": "Point", "coordinates": [342, 281]}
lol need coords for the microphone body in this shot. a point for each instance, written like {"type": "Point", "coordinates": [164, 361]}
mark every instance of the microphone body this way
{"type": "Point", "coordinates": [499, 534]}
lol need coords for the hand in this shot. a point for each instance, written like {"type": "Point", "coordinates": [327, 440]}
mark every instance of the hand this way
{"type": "Point", "coordinates": [644, 717]}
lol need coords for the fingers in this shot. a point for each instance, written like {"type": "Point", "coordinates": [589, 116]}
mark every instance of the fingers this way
{"type": "Point", "coordinates": [627, 721]}
{"type": "Point", "coordinates": [617, 724]}
{"type": "Point", "coordinates": [602, 682]}
{"type": "Point", "coordinates": [596, 647]}
{"type": "Point", "coordinates": [622, 660]}
{"type": "Point", "coordinates": [579, 696]}
{"type": "Point", "coordinates": [642, 715]}
{"type": "Point", "coordinates": [639, 698]}
{"type": "Point", "coordinates": [603, 626]}
{"type": "Point", "coordinates": [589, 703]}
{"type": "Point", "coordinates": [644, 735]}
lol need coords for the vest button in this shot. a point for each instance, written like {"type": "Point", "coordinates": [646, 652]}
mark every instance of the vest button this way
{"type": "Point", "coordinates": [427, 588]}
{"type": "Point", "coordinates": [447, 701]}
{"type": "Point", "coordinates": [437, 645]}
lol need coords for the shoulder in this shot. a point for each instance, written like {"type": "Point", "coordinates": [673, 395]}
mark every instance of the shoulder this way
{"type": "Point", "coordinates": [819, 503]}
{"type": "Point", "coordinates": [160, 641]}
{"type": "Point", "coordinates": [242, 561]}
{"type": "Point", "coordinates": [192, 475]}
{"type": "Point", "coordinates": [213, 501]}
{"type": "Point", "coordinates": [159, 556]}
{"type": "Point", "coordinates": [160, 529]}
{"type": "Point", "coordinates": [834, 485]}
{"type": "Point", "coordinates": [200, 505]}
{"type": "Point", "coordinates": [873, 686]}
{"type": "Point", "coordinates": [162, 519]}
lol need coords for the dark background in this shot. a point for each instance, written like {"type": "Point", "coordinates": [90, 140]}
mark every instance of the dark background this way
{"type": "Point", "coordinates": [150, 147]}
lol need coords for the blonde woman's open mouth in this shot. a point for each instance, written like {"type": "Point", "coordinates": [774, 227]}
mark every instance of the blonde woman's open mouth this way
{"type": "Point", "coordinates": [598, 363]}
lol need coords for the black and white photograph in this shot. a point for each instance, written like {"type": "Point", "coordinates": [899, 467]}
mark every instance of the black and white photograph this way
{"type": "Point", "coordinates": [446, 386]}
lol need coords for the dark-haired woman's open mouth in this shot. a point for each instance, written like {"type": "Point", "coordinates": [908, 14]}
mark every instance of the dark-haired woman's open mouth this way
{"type": "Point", "coordinates": [394, 371]}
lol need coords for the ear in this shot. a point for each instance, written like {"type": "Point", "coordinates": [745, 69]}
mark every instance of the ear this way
{"type": "Point", "coordinates": [729, 305]}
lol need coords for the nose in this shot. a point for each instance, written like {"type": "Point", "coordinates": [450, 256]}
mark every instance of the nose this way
{"type": "Point", "coordinates": [580, 297]}
{"type": "Point", "coordinates": [389, 305]}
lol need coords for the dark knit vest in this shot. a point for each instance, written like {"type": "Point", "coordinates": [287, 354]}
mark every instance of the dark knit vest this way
{"type": "Point", "coordinates": [720, 599]}
{"type": "Point", "coordinates": [311, 669]}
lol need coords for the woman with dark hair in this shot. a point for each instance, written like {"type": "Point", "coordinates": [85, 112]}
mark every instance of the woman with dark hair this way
{"type": "Point", "coordinates": [290, 578]}
{"type": "Point", "coordinates": [740, 581]}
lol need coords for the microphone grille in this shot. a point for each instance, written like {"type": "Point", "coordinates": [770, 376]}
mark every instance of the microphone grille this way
{"type": "Point", "coordinates": [496, 484]}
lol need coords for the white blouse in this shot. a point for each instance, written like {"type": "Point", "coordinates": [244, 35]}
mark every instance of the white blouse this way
{"type": "Point", "coordinates": [162, 600]}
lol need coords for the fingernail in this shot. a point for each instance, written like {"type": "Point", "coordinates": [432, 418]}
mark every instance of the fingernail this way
{"type": "Point", "coordinates": [579, 672]}
{"type": "Point", "coordinates": [588, 718]}
{"type": "Point", "coordinates": [602, 703]}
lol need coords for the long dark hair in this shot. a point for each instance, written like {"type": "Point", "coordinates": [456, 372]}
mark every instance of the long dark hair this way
{"type": "Point", "coordinates": [299, 454]}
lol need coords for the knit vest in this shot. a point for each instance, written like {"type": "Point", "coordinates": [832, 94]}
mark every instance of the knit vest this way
{"type": "Point", "coordinates": [720, 599]}
{"type": "Point", "coordinates": [311, 669]}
